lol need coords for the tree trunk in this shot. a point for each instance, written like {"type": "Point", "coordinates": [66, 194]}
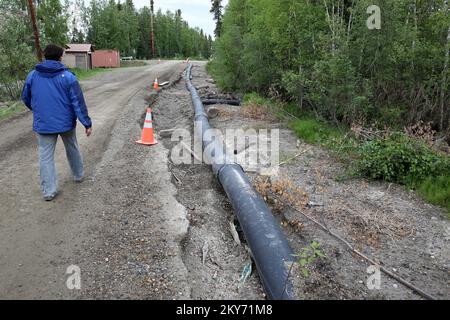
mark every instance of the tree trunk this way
{"type": "Point", "coordinates": [35, 30]}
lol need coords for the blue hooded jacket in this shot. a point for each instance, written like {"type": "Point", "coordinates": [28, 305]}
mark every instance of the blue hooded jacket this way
{"type": "Point", "coordinates": [54, 95]}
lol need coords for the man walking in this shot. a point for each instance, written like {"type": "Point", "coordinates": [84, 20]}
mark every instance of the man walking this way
{"type": "Point", "coordinates": [55, 97]}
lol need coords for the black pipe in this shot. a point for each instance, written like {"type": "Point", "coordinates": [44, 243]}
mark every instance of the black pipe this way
{"type": "Point", "coordinates": [231, 102]}
{"type": "Point", "coordinates": [269, 247]}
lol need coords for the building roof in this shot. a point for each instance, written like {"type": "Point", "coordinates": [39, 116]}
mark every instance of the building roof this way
{"type": "Point", "coordinates": [76, 47]}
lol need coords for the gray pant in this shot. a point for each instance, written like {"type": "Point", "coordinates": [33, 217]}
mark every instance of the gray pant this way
{"type": "Point", "coordinates": [47, 144]}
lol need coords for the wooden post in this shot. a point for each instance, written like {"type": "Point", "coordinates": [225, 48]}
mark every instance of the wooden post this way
{"type": "Point", "coordinates": [152, 28]}
{"type": "Point", "coordinates": [444, 83]}
{"type": "Point", "coordinates": [35, 30]}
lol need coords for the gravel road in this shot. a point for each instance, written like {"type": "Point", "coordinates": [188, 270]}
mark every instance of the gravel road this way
{"type": "Point", "coordinates": [40, 240]}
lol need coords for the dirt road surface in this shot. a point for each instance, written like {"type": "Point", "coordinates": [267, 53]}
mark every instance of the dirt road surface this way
{"type": "Point", "coordinates": [122, 227]}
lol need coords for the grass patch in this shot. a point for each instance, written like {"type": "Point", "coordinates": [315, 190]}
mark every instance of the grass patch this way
{"type": "Point", "coordinates": [86, 74]}
{"type": "Point", "coordinates": [436, 190]}
{"type": "Point", "coordinates": [15, 108]}
{"type": "Point", "coordinates": [132, 63]}
{"type": "Point", "coordinates": [314, 131]}
{"type": "Point", "coordinates": [306, 127]}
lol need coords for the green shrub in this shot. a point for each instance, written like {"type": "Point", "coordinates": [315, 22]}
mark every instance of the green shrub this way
{"type": "Point", "coordinates": [293, 108]}
{"type": "Point", "coordinates": [392, 117]}
{"type": "Point", "coordinates": [256, 98]}
{"type": "Point", "coordinates": [397, 159]}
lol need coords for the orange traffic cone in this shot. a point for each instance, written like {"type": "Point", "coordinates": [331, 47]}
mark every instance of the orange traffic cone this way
{"type": "Point", "coordinates": [156, 84]}
{"type": "Point", "coordinates": [148, 138]}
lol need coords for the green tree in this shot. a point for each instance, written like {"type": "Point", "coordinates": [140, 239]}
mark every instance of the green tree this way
{"type": "Point", "coordinates": [16, 53]}
{"type": "Point", "coordinates": [173, 36]}
{"type": "Point", "coordinates": [322, 55]}
{"type": "Point", "coordinates": [53, 22]}
{"type": "Point", "coordinates": [76, 36]}
{"type": "Point", "coordinates": [217, 11]}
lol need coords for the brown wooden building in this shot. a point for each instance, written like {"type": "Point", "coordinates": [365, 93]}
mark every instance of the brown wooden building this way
{"type": "Point", "coordinates": [78, 56]}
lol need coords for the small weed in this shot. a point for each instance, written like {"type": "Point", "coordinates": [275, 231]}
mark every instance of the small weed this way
{"type": "Point", "coordinates": [308, 257]}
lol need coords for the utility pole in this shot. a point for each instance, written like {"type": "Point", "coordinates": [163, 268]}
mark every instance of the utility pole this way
{"type": "Point", "coordinates": [152, 28]}
{"type": "Point", "coordinates": [35, 30]}
{"type": "Point", "coordinates": [444, 81]}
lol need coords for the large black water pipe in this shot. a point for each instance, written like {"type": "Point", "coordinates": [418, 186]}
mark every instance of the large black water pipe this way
{"type": "Point", "coordinates": [269, 247]}
{"type": "Point", "coordinates": [231, 102]}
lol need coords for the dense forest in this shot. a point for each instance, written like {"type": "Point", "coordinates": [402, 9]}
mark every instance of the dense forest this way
{"type": "Point", "coordinates": [111, 24]}
{"type": "Point", "coordinates": [325, 56]}
{"type": "Point", "coordinates": [107, 24]}
{"type": "Point", "coordinates": [366, 79]}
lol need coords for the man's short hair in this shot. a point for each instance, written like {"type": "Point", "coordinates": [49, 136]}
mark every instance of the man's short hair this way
{"type": "Point", "coordinates": [53, 52]}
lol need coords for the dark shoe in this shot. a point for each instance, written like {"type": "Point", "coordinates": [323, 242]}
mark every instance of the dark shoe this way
{"type": "Point", "coordinates": [50, 198]}
{"type": "Point", "coordinates": [79, 180]}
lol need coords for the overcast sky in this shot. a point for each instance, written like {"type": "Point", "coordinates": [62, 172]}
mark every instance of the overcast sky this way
{"type": "Point", "coordinates": [195, 12]}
